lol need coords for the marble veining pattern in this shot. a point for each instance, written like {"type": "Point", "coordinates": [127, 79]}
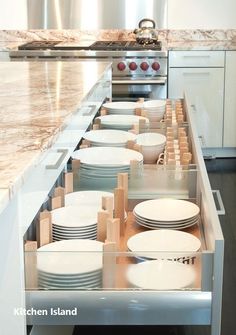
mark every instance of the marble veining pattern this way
{"type": "Point", "coordinates": [173, 39]}
{"type": "Point", "coordinates": [37, 100]}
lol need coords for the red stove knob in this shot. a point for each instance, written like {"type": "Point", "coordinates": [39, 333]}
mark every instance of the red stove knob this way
{"type": "Point", "coordinates": [133, 66]}
{"type": "Point", "coordinates": [156, 66]}
{"type": "Point", "coordinates": [144, 66]}
{"type": "Point", "coordinates": [121, 66]}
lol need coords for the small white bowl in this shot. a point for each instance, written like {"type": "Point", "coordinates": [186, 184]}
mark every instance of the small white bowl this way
{"type": "Point", "coordinates": [152, 145]}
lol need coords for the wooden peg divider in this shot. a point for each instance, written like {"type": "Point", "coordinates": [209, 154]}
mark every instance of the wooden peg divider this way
{"type": "Point", "coordinates": [144, 113]}
{"type": "Point", "coordinates": [60, 192]}
{"type": "Point", "coordinates": [141, 100]}
{"type": "Point", "coordinates": [137, 147]}
{"type": "Point", "coordinates": [44, 231]}
{"type": "Point", "coordinates": [108, 205]}
{"type": "Point", "coordinates": [68, 182]}
{"type": "Point", "coordinates": [31, 276]}
{"type": "Point", "coordinates": [134, 168]}
{"type": "Point", "coordinates": [119, 208]}
{"type": "Point", "coordinates": [138, 111]}
{"type": "Point", "coordinates": [102, 225]}
{"type": "Point", "coordinates": [45, 215]}
{"type": "Point", "coordinates": [96, 127]}
{"type": "Point", "coordinates": [109, 265]}
{"type": "Point", "coordinates": [113, 231]}
{"type": "Point", "coordinates": [75, 165]}
{"type": "Point", "coordinates": [130, 144]}
{"type": "Point", "coordinates": [56, 202]}
{"type": "Point", "coordinates": [103, 111]}
{"type": "Point", "coordinates": [142, 125]}
{"type": "Point", "coordinates": [86, 142]}
{"type": "Point", "coordinates": [97, 121]}
{"type": "Point", "coordinates": [123, 182]}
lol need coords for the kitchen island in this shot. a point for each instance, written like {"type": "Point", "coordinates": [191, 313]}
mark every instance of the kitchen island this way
{"type": "Point", "coordinates": [45, 109]}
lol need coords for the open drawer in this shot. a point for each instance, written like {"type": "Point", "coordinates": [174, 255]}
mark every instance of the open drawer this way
{"type": "Point", "coordinates": [116, 292]}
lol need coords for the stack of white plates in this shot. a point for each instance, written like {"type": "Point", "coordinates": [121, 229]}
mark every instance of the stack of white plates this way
{"type": "Point", "coordinates": [161, 275]}
{"type": "Point", "coordinates": [166, 213]}
{"type": "Point", "coordinates": [109, 138]}
{"type": "Point", "coordinates": [155, 109]}
{"type": "Point", "coordinates": [163, 243]}
{"type": "Point", "coordinates": [70, 264]}
{"type": "Point", "coordinates": [74, 222]}
{"type": "Point", "coordinates": [121, 122]}
{"type": "Point", "coordinates": [152, 145]}
{"type": "Point", "coordinates": [104, 163]}
{"type": "Point", "coordinates": [122, 107]}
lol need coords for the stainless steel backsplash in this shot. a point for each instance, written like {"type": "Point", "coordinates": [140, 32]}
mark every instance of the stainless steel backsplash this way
{"type": "Point", "coordinates": [94, 14]}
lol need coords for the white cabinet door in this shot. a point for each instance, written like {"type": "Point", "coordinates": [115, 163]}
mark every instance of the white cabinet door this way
{"type": "Point", "coordinates": [230, 100]}
{"type": "Point", "coordinates": [205, 88]}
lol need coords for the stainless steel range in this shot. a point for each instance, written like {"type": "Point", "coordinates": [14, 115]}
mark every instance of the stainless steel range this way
{"type": "Point", "coordinates": [139, 70]}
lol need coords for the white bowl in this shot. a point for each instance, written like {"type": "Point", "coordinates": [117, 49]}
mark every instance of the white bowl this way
{"type": "Point", "coordinates": [152, 145]}
{"type": "Point", "coordinates": [154, 104]}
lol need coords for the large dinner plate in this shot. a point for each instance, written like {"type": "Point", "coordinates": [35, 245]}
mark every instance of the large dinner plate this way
{"type": "Point", "coordinates": [109, 136]}
{"type": "Point", "coordinates": [122, 105]}
{"type": "Point", "coordinates": [164, 241]}
{"type": "Point", "coordinates": [71, 257]}
{"type": "Point", "coordinates": [161, 275]}
{"type": "Point", "coordinates": [166, 209]}
{"type": "Point", "coordinates": [91, 198]}
{"type": "Point", "coordinates": [122, 120]}
{"type": "Point", "coordinates": [107, 156]}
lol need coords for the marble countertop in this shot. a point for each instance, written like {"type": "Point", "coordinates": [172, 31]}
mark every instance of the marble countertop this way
{"type": "Point", "coordinates": [37, 99]}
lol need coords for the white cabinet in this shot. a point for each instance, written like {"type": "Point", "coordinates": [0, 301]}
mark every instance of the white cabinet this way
{"type": "Point", "coordinates": [201, 75]}
{"type": "Point", "coordinates": [230, 100]}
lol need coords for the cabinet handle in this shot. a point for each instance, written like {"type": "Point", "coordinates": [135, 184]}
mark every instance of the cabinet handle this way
{"type": "Point", "coordinates": [196, 56]}
{"type": "Point", "coordinates": [203, 73]}
{"type": "Point", "coordinates": [194, 109]}
{"type": "Point", "coordinates": [202, 140]}
{"type": "Point", "coordinates": [92, 108]}
{"type": "Point", "coordinates": [216, 194]}
{"type": "Point", "coordinates": [55, 166]}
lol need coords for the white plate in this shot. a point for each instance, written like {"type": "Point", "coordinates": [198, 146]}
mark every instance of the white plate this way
{"type": "Point", "coordinates": [74, 236]}
{"type": "Point", "coordinates": [74, 216]}
{"type": "Point", "coordinates": [163, 240]}
{"type": "Point", "coordinates": [109, 136]}
{"type": "Point", "coordinates": [71, 257]}
{"type": "Point", "coordinates": [122, 120]}
{"type": "Point", "coordinates": [166, 223]}
{"type": "Point", "coordinates": [91, 198]}
{"type": "Point", "coordinates": [176, 227]}
{"type": "Point", "coordinates": [107, 156]}
{"type": "Point", "coordinates": [166, 209]}
{"type": "Point", "coordinates": [122, 105]}
{"type": "Point", "coordinates": [161, 275]}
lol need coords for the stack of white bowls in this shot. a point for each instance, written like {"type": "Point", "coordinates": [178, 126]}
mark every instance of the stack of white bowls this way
{"type": "Point", "coordinates": [109, 138]}
{"type": "Point", "coordinates": [121, 122]}
{"type": "Point", "coordinates": [70, 264]}
{"type": "Point", "coordinates": [99, 166]}
{"type": "Point", "coordinates": [152, 145]}
{"type": "Point", "coordinates": [155, 109]}
{"type": "Point", "coordinates": [122, 107]}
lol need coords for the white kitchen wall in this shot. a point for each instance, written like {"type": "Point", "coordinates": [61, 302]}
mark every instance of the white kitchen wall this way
{"type": "Point", "coordinates": [13, 14]}
{"type": "Point", "coordinates": [202, 14]}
